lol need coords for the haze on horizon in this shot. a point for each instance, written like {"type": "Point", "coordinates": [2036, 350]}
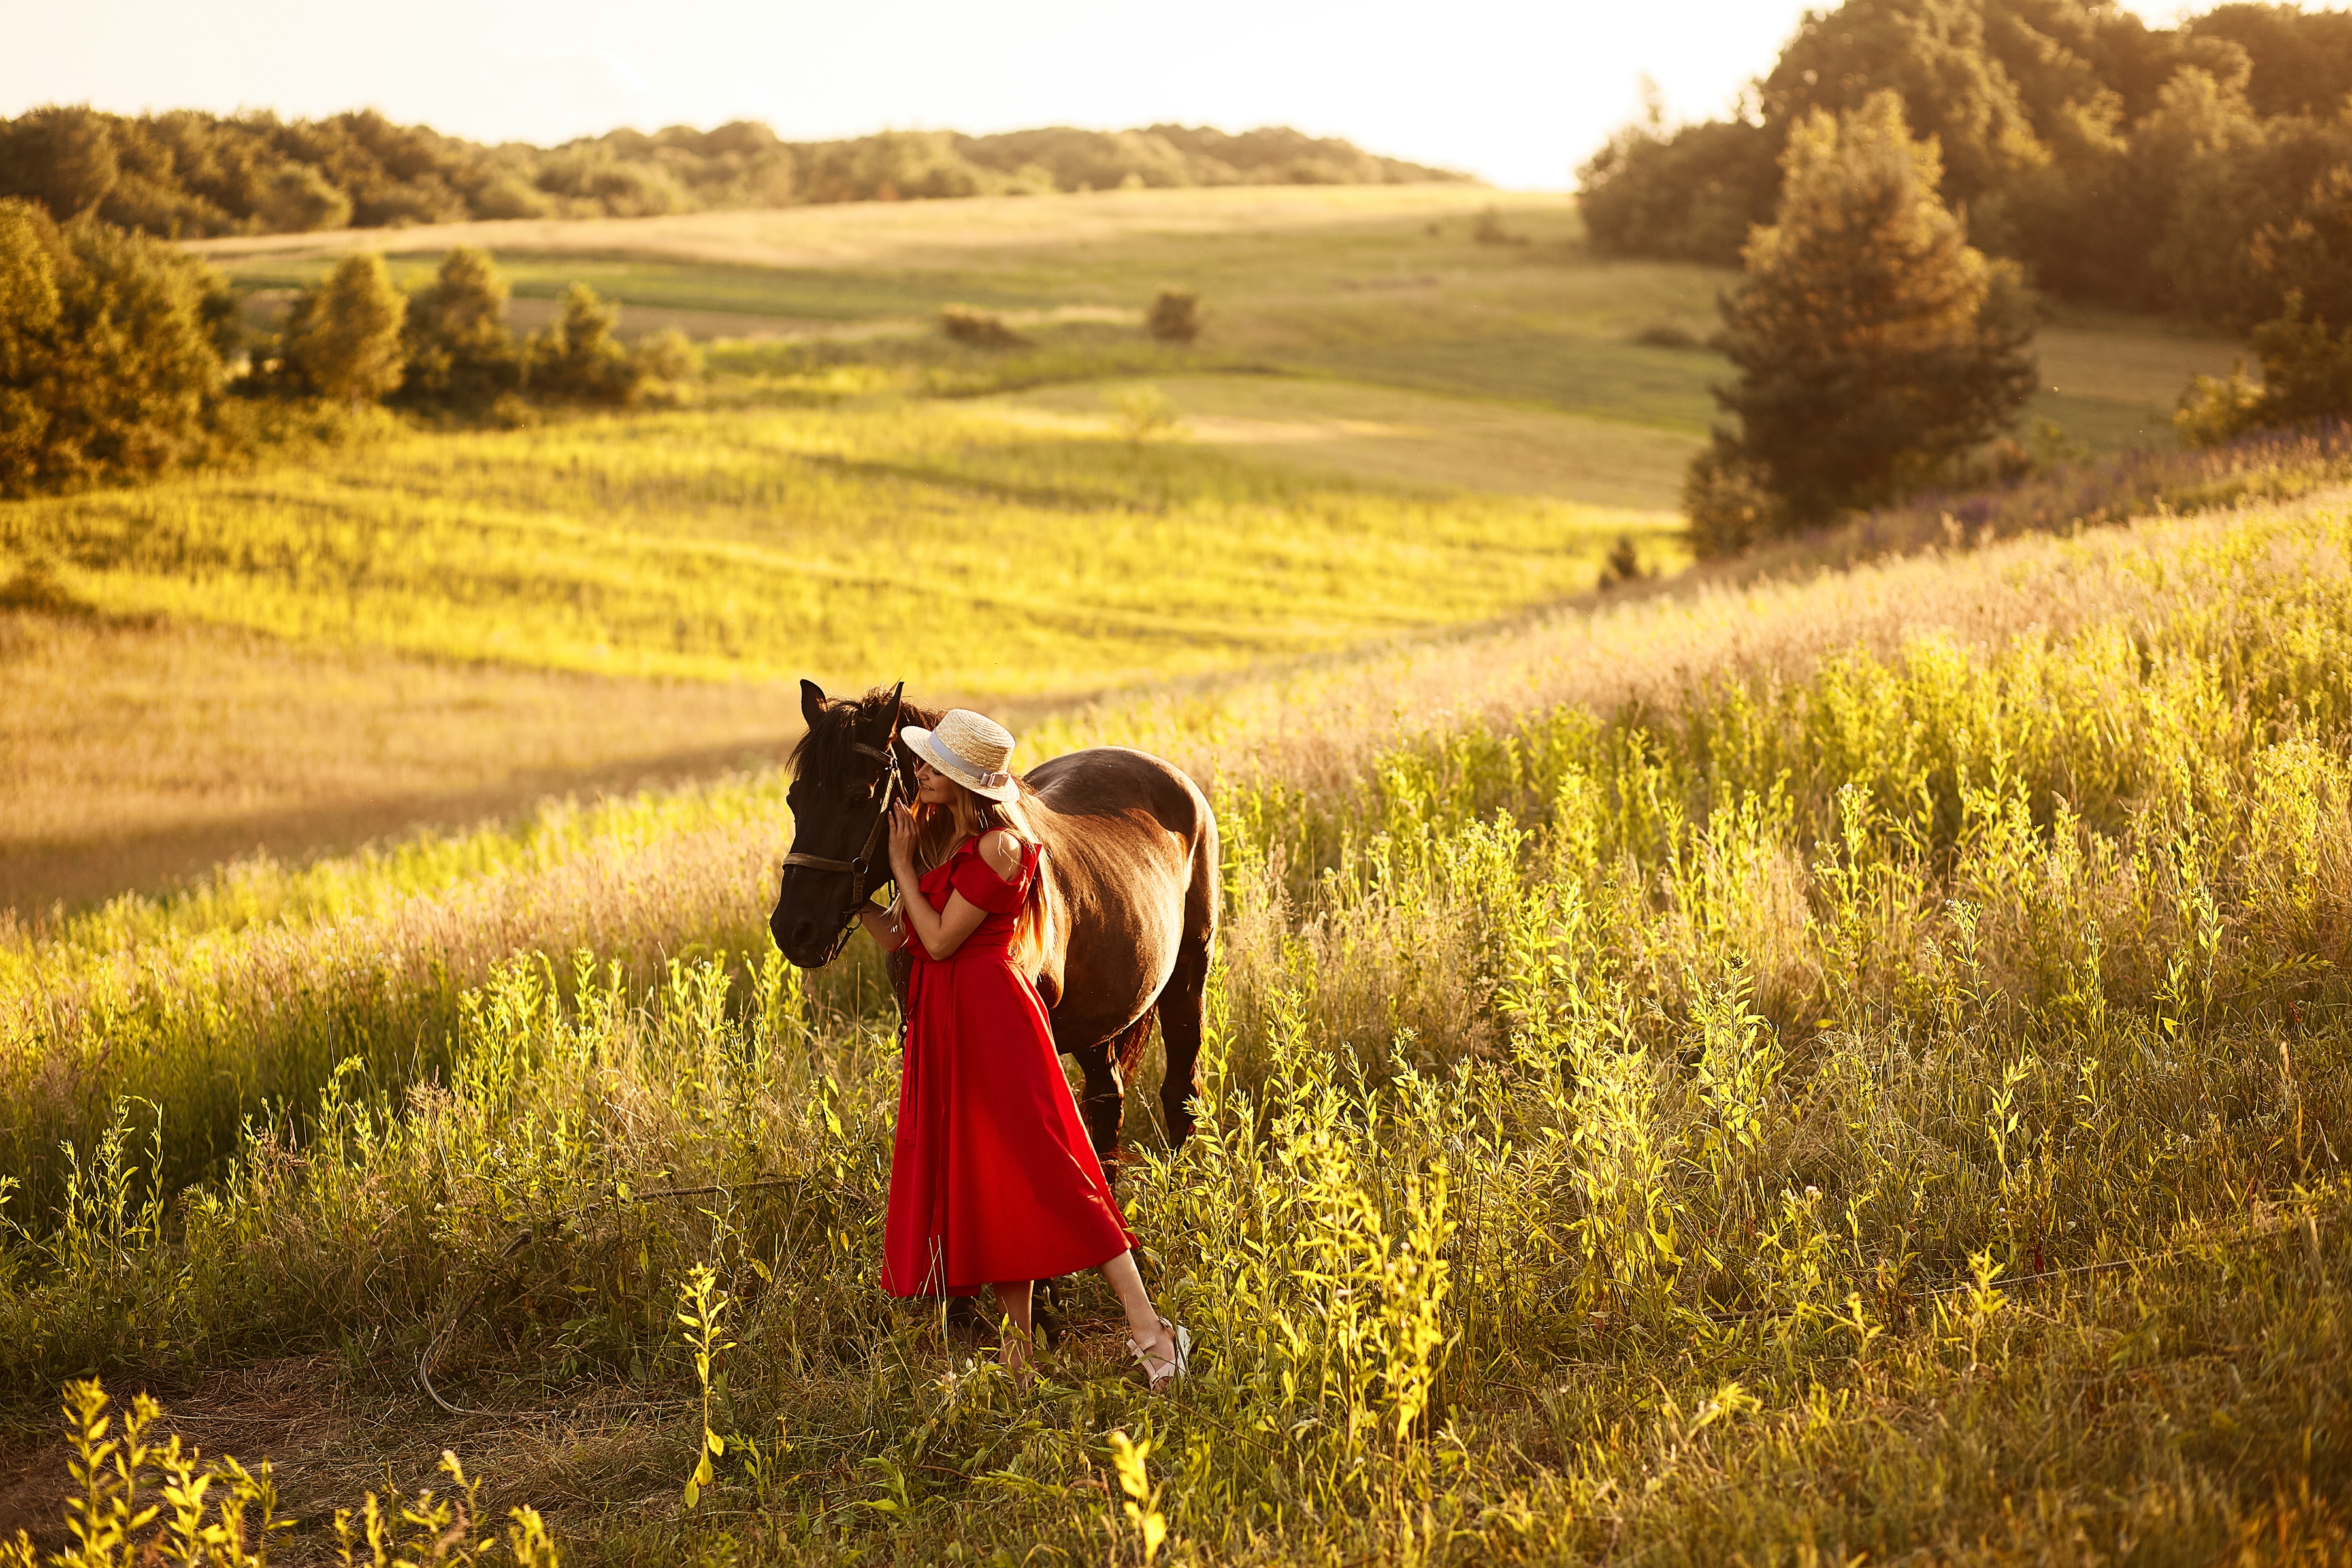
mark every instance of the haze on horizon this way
{"type": "Point", "coordinates": [1516, 93]}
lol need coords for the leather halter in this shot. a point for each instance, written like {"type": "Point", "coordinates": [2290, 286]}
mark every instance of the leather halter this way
{"type": "Point", "coordinates": [862, 883]}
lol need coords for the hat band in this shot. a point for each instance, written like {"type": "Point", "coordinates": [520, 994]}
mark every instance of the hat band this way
{"type": "Point", "coordinates": [940, 752]}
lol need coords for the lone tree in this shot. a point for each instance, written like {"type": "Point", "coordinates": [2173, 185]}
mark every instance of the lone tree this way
{"type": "Point", "coordinates": [577, 359]}
{"type": "Point", "coordinates": [343, 337]}
{"type": "Point", "coordinates": [461, 353]}
{"type": "Point", "coordinates": [1875, 344]}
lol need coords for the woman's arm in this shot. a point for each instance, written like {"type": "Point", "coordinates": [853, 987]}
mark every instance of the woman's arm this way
{"type": "Point", "coordinates": [940, 932]}
{"type": "Point", "coordinates": [888, 933]}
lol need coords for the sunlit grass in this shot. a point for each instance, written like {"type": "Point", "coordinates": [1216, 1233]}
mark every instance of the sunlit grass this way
{"type": "Point", "coordinates": [1857, 1067]}
{"type": "Point", "coordinates": [927, 541]}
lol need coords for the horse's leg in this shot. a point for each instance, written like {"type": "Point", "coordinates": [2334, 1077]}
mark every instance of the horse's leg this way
{"type": "Point", "coordinates": [1126, 1054]}
{"type": "Point", "coordinates": [1183, 999]}
{"type": "Point", "coordinates": [1103, 1097]}
{"type": "Point", "coordinates": [1181, 1003]}
{"type": "Point", "coordinates": [900, 967]}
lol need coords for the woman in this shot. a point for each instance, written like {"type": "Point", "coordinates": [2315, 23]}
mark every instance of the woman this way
{"type": "Point", "coordinates": [992, 1179]}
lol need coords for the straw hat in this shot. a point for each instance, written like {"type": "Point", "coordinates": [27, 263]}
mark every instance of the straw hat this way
{"type": "Point", "coordinates": [970, 749]}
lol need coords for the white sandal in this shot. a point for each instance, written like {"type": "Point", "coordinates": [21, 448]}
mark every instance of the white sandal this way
{"type": "Point", "coordinates": [1172, 1369]}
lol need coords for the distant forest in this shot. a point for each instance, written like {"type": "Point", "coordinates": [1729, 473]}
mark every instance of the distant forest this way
{"type": "Point", "coordinates": [2148, 168]}
{"type": "Point", "coordinates": [187, 174]}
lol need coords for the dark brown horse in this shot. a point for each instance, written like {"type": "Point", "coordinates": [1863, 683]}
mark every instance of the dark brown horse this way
{"type": "Point", "coordinates": [1128, 880]}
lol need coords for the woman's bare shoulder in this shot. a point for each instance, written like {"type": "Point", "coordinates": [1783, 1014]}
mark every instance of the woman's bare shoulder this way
{"type": "Point", "coordinates": [1001, 849]}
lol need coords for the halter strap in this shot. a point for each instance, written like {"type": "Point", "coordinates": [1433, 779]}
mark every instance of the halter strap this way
{"type": "Point", "coordinates": [860, 888]}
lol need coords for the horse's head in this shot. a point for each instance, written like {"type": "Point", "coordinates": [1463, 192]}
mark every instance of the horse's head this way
{"type": "Point", "coordinates": [847, 770]}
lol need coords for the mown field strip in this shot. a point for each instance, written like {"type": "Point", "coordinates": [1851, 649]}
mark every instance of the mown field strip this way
{"type": "Point", "coordinates": [767, 546]}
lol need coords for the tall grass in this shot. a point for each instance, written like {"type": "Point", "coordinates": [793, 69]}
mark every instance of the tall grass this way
{"type": "Point", "coordinates": [1864, 1099]}
{"type": "Point", "coordinates": [2270, 466]}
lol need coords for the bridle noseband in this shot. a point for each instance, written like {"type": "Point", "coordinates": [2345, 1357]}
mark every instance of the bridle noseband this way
{"type": "Point", "coordinates": [862, 883]}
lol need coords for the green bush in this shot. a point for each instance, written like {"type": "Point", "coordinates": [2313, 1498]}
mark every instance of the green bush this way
{"type": "Point", "coordinates": [982, 329]}
{"type": "Point", "coordinates": [578, 359]}
{"type": "Point", "coordinates": [1174, 316]}
{"type": "Point", "coordinates": [460, 351]}
{"type": "Point", "coordinates": [1691, 195]}
{"type": "Point", "coordinates": [343, 338]}
{"type": "Point", "coordinates": [2306, 376]}
{"type": "Point", "coordinates": [110, 363]}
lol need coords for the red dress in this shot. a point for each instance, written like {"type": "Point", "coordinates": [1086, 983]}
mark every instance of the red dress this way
{"type": "Point", "coordinates": [991, 1174]}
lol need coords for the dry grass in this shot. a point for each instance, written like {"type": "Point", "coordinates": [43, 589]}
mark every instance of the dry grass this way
{"type": "Point", "coordinates": [132, 756]}
{"type": "Point", "coordinates": [2137, 368]}
{"type": "Point", "coordinates": [914, 234]}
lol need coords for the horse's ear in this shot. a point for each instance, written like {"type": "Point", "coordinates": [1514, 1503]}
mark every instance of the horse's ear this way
{"type": "Point", "coordinates": [812, 701]}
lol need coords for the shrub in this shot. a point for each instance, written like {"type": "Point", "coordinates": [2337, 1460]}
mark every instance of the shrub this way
{"type": "Point", "coordinates": [2216, 410]}
{"type": "Point", "coordinates": [1143, 411]}
{"type": "Point", "coordinates": [61, 158]}
{"type": "Point", "coordinates": [666, 364]}
{"type": "Point", "coordinates": [2307, 349]}
{"type": "Point", "coordinates": [578, 359]}
{"type": "Point", "coordinates": [460, 351]}
{"type": "Point", "coordinates": [1667, 335]}
{"type": "Point", "coordinates": [2307, 376]}
{"type": "Point", "coordinates": [1487, 229]}
{"type": "Point", "coordinates": [1726, 501]}
{"type": "Point", "coordinates": [982, 329]}
{"type": "Point", "coordinates": [1622, 565]}
{"type": "Point", "coordinates": [343, 338]}
{"type": "Point", "coordinates": [1174, 316]}
{"type": "Point", "coordinates": [110, 354]}
{"type": "Point", "coordinates": [1876, 346]}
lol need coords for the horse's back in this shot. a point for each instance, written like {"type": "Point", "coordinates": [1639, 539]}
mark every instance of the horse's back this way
{"type": "Point", "coordinates": [1132, 899]}
{"type": "Point", "coordinates": [1119, 781]}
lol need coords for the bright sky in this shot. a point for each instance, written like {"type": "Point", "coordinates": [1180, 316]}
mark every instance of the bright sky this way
{"type": "Point", "coordinates": [1515, 92]}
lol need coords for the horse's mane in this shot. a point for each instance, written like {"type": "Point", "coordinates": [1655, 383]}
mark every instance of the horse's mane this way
{"type": "Point", "coordinates": [825, 750]}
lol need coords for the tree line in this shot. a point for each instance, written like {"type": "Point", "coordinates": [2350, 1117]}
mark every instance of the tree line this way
{"type": "Point", "coordinates": [1915, 168]}
{"type": "Point", "coordinates": [122, 357]}
{"type": "Point", "coordinates": [2120, 164]}
{"type": "Point", "coordinates": [188, 173]}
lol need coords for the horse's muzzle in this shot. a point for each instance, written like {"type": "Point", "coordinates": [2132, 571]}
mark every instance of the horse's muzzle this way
{"type": "Point", "coordinates": [805, 943]}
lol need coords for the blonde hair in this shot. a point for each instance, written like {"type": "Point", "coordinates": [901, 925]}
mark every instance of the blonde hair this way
{"type": "Point", "coordinates": [940, 829]}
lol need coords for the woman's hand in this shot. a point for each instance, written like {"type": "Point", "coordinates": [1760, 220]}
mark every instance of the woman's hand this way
{"type": "Point", "coordinates": [902, 844]}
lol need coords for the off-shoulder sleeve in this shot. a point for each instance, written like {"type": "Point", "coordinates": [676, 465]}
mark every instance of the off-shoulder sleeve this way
{"type": "Point", "coordinates": [977, 880]}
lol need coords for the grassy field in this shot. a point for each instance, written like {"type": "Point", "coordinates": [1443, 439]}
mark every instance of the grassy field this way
{"type": "Point", "coordinates": [1686, 1082]}
{"type": "Point", "coordinates": [844, 460]}
{"type": "Point", "coordinates": [1385, 284]}
{"type": "Point", "coordinates": [1458, 430]}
